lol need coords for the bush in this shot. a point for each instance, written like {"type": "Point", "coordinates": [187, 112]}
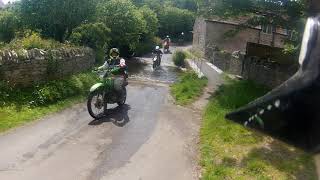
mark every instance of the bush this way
{"type": "Point", "coordinates": [125, 21]}
{"type": "Point", "coordinates": [47, 93]}
{"type": "Point", "coordinates": [9, 23]}
{"type": "Point", "coordinates": [173, 21]}
{"type": "Point", "coordinates": [33, 40]}
{"type": "Point", "coordinates": [147, 46]}
{"type": "Point", "coordinates": [54, 91]}
{"type": "Point", "coordinates": [157, 41]}
{"type": "Point", "coordinates": [94, 35]}
{"type": "Point", "coordinates": [179, 58]}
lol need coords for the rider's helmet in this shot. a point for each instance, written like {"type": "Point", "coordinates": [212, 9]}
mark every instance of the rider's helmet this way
{"type": "Point", "coordinates": [182, 33]}
{"type": "Point", "coordinates": [167, 36]}
{"type": "Point", "coordinates": [114, 53]}
{"type": "Point", "coordinates": [157, 47]}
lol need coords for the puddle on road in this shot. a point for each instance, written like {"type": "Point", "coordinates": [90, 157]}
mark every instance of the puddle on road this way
{"type": "Point", "coordinates": [143, 71]}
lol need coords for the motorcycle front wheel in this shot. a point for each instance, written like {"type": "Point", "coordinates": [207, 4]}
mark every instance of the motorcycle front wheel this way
{"type": "Point", "coordinates": [96, 104]}
{"type": "Point", "coordinates": [154, 65]}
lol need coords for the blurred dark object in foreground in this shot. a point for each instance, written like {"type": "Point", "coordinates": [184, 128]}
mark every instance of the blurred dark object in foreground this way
{"type": "Point", "coordinates": [291, 112]}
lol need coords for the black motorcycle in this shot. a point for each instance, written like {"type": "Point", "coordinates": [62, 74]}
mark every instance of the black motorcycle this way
{"type": "Point", "coordinates": [156, 61]}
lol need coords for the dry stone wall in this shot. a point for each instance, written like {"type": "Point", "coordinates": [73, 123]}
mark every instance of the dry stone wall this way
{"type": "Point", "coordinates": [27, 67]}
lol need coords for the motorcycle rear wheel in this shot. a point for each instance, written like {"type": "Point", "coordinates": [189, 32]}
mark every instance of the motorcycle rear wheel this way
{"type": "Point", "coordinates": [123, 98]}
{"type": "Point", "coordinates": [96, 104]}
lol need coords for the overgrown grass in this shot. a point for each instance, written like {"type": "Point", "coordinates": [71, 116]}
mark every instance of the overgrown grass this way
{"type": "Point", "coordinates": [21, 105]}
{"type": "Point", "coordinates": [188, 88]}
{"type": "Point", "coordinates": [230, 151]}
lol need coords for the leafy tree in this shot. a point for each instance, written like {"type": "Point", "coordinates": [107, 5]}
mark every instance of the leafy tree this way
{"type": "Point", "coordinates": [125, 21]}
{"type": "Point", "coordinates": [94, 35]}
{"type": "Point", "coordinates": [151, 19]}
{"type": "Point", "coordinates": [155, 5]}
{"type": "Point", "coordinates": [190, 5]}
{"type": "Point", "coordinates": [56, 18]}
{"type": "Point", "coordinates": [284, 13]}
{"type": "Point", "coordinates": [272, 8]}
{"type": "Point", "coordinates": [9, 23]}
{"type": "Point", "coordinates": [173, 21]}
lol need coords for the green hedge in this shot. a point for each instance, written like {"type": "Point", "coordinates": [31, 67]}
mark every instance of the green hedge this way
{"type": "Point", "coordinates": [47, 93]}
{"type": "Point", "coordinates": [179, 58]}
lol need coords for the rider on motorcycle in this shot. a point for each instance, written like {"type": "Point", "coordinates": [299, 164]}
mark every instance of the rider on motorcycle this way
{"type": "Point", "coordinates": [157, 51]}
{"type": "Point", "coordinates": [118, 66]}
{"type": "Point", "coordinates": [167, 42]}
{"type": "Point", "coordinates": [181, 39]}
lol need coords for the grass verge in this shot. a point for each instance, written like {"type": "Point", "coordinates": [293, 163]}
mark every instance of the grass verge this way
{"type": "Point", "coordinates": [13, 116]}
{"type": "Point", "coordinates": [230, 151]}
{"type": "Point", "coordinates": [188, 88]}
{"type": "Point", "coordinates": [22, 105]}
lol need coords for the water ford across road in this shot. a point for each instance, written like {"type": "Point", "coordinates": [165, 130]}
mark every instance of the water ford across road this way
{"type": "Point", "coordinates": [148, 138]}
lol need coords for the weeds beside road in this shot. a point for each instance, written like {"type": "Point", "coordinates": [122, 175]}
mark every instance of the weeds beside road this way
{"type": "Point", "coordinates": [188, 88]}
{"type": "Point", "coordinates": [21, 105]}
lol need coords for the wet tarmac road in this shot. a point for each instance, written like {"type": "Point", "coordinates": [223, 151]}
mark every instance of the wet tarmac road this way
{"type": "Point", "coordinates": [149, 138]}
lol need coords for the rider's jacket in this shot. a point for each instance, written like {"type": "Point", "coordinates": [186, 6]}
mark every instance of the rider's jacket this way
{"type": "Point", "coordinates": [157, 52]}
{"type": "Point", "coordinates": [112, 62]}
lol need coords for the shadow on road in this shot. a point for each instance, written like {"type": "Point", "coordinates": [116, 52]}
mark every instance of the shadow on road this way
{"type": "Point", "coordinates": [118, 116]}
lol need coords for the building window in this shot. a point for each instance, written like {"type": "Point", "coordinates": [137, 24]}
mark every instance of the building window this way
{"type": "Point", "coordinates": [268, 29]}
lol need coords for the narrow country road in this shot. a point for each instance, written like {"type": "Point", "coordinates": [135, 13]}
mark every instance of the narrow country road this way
{"type": "Point", "coordinates": [148, 138]}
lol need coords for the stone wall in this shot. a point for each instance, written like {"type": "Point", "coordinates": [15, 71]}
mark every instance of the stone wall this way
{"type": "Point", "coordinates": [199, 33]}
{"type": "Point", "coordinates": [267, 73]}
{"type": "Point", "coordinates": [26, 67]}
{"type": "Point", "coordinates": [270, 74]}
{"type": "Point", "coordinates": [216, 37]}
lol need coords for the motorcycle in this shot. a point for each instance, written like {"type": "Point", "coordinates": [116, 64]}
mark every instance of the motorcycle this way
{"type": "Point", "coordinates": [166, 47]}
{"type": "Point", "coordinates": [156, 61]}
{"type": "Point", "coordinates": [104, 92]}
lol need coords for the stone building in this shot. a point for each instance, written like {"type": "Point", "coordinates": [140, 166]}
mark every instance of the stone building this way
{"type": "Point", "coordinates": [209, 34]}
{"type": "Point", "coordinates": [255, 53]}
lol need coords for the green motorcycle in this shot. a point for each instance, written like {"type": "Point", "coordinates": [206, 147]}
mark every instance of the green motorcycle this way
{"type": "Point", "coordinates": [110, 90]}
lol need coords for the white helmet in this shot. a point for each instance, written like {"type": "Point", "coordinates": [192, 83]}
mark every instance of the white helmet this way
{"type": "Point", "coordinates": [157, 47]}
